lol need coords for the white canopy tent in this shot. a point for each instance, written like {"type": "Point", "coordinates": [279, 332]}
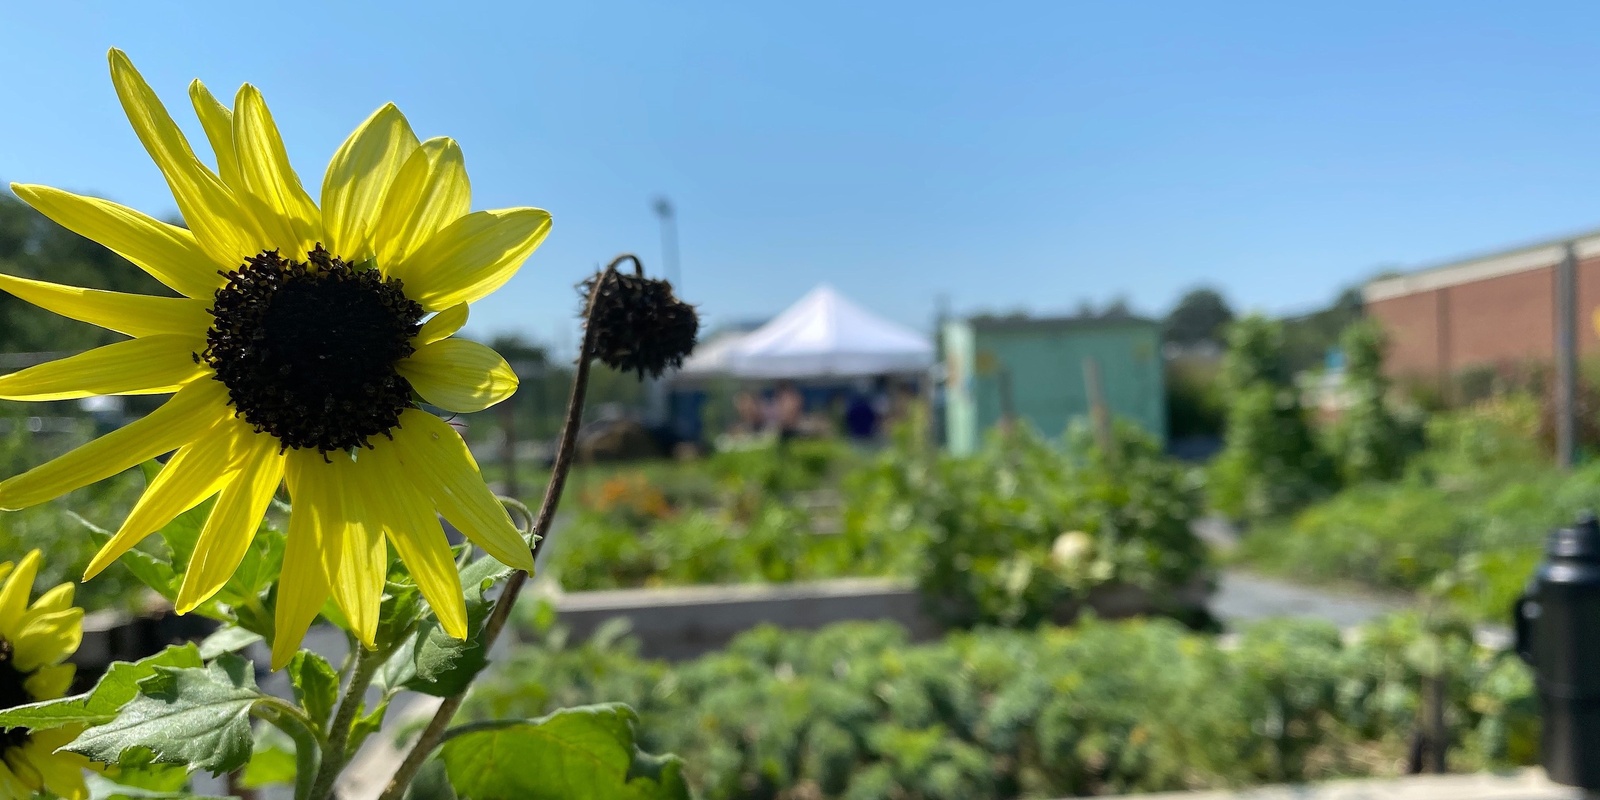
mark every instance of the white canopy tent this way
{"type": "Point", "coordinates": [824, 335]}
{"type": "Point", "coordinates": [711, 355]}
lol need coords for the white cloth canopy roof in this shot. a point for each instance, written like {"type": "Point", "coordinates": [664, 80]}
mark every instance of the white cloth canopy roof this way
{"type": "Point", "coordinates": [825, 335]}
{"type": "Point", "coordinates": [711, 354]}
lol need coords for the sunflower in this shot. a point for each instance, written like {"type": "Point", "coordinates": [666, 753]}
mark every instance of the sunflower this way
{"type": "Point", "coordinates": [34, 642]}
{"type": "Point", "coordinates": [299, 352]}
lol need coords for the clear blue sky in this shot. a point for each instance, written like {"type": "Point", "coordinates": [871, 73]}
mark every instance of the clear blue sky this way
{"type": "Point", "coordinates": [1009, 156]}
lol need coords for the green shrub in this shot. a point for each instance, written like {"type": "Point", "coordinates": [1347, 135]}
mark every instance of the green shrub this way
{"type": "Point", "coordinates": [1027, 527]}
{"type": "Point", "coordinates": [1467, 521]}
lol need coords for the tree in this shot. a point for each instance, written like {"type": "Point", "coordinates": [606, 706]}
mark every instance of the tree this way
{"type": "Point", "coordinates": [32, 246]}
{"type": "Point", "coordinates": [1370, 442]}
{"type": "Point", "coordinates": [1308, 338]}
{"type": "Point", "coordinates": [1200, 316]}
{"type": "Point", "coordinates": [1271, 463]}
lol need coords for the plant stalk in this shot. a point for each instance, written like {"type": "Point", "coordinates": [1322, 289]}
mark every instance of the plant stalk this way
{"type": "Point", "coordinates": [307, 744]}
{"type": "Point", "coordinates": [565, 451]}
{"type": "Point", "coordinates": [334, 758]}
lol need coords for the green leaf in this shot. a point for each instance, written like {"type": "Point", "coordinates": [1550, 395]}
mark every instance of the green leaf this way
{"type": "Point", "coordinates": [99, 705]}
{"type": "Point", "coordinates": [104, 789]}
{"type": "Point", "coordinates": [146, 568]}
{"type": "Point", "coordinates": [269, 765]}
{"type": "Point", "coordinates": [316, 686]}
{"type": "Point", "coordinates": [197, 717]}
{"type": "Point", "coordinates": [445, 665]}
{"type": "Point", "coordinates": [586, 753]}
{"type": "Point", "coordinates": [229, 639]}
{"type": "Point", "coordinates": [183, 532]}
{"type": "Point", "coordinates": [367, 725]}
{"type": "Point", "coordinates": [259, 568]}
{"type": "Point", "coordinates": [431, 783]}
{"type": "Point", "coordinates": [397, 618]}
{"type": "Point", "coordinates": [401, 666]}
{"type": "Point", "coordinates": [133, 772]}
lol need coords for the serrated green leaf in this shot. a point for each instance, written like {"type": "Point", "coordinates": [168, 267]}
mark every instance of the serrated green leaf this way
{"type": "Point", "coordinates": [99, 705]}
{"type": "Point", "coordinates": [229, 639]}
{"type": "Point", "coordinates": [133, 772]}
{"type": "Point", "coordinates": [397, 618]}
{"type": "Point", "coordinates": [316, 686]}
{"type": "Point", "coordinates": [444, 665]}
{"type": "Point", "coordinates": [196, 717]}
{"type": "Point", "coordinates": [367, 724]}
{"type": "Point", "coordinates": [587, 753]}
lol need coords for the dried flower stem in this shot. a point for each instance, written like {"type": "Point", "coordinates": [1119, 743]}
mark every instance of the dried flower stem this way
{"type": "Point", "coordinates": [565, 450]}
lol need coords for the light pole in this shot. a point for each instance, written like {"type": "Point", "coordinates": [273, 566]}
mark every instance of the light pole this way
{"type": "Point", "coordinates": [669, 238]}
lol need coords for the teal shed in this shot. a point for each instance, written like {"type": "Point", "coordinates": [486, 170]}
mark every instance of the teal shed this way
{"type": "Point", "coordinates": [1040, 368]}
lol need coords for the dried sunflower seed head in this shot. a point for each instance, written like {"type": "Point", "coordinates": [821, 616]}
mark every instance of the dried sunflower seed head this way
{"type": "Point", "coordinates": [639, 324]}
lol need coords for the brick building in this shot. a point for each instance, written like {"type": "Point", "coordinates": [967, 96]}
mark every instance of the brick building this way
{"type": "Point", "coordinates": [1497, 310]}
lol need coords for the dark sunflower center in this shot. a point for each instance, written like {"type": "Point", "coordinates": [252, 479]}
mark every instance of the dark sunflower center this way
{"type": "Point", "coordinates": [13, 693]}
{"type": "Point", "coordinates": [308, 349]}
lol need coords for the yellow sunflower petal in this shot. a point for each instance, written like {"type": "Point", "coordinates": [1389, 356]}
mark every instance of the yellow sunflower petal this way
{"type": "Point", "coordinates": [60, 772]}
{"type": "Point", "coordinates": [416, 534]}
{"type": "Point", "coordinates": [311, 556]}
{"type": "Point", "coordinates": [459, 375]}
{"type": "Point", "coordinates": [50, 682]}
{"type": "Point", "coordinates": [14, 595]}
{"type": "Point", "coordinates": [179, 421]}
{"type": "Point", "coordinates": [232, 525]}
{"type": "Point", "coordinates": [430, 191]}
{"type": "Point", "coordinates": [47, 639]}
{"type": "Point", "coordinates": [20, 761]}
{"type": "Point", "coordinates": [364, 559]}
{"type": "Point", "coordinates": [219, 223]}
{"type": "Point", "coordinates": [443, 325]}
{"type": "Point", "coordinates": [359, 176]}
{"type": "Point", "coordinates": [132, 314]}
{"type": "Point", "coordinates": [196, 472]}
{"type": "Point", "coordinates": [151, 365]}
{"type": "Point", "coordinates": [5, 569]}
{"type": "Point", "coordinates": [472, 257]}
{"type": "Point", "coordinates": [58, 598]}
{"type": "Point", "coordinates": [264, 166]}
{"type": "Point", "coordinates": [169, 253]}
{"type": "Point", "coordinates": [217, 120]}
{"type": "Point", "coordinates": [439, 465]}
{"type": "Point", "coordinates": [11, 786]}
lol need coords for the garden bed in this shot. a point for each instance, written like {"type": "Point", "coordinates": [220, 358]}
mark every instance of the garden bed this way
{"type": "Point", "coordinates": [684, 622]}
{"type": "Point", "coordinates": [860, 710]}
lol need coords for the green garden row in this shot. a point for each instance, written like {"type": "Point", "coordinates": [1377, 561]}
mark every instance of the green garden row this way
{"type": "Point", "coordinates": [855, 711]}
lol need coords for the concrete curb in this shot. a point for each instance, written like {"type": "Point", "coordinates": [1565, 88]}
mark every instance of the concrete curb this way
{"type": "Point", "coordinates": [682, 622]}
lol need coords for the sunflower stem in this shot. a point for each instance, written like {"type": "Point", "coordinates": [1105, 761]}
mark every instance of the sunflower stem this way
{"type": "Point", "coordinates": [334, 758]}
{"type": "Point", "coordinates": [307, 744]}
{"type": "Point", "coordinates": [435, 731]}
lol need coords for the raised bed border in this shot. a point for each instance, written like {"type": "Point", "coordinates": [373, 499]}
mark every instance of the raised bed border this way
{"type": "Point", "coordinates": [682, 622]}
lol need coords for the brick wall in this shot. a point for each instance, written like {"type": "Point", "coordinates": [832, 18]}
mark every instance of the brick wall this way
{"type": "Point", "coordinates": [1499, 321]}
